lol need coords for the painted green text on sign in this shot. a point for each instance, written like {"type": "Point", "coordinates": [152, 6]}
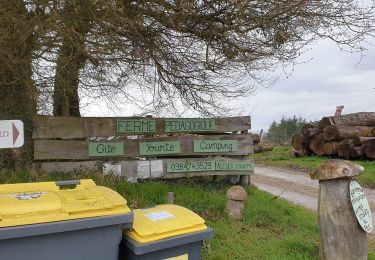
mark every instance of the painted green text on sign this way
{"type": "Point", "coordinates": [106, 149]}
{"type": "Point", "coordinates": [199, 166]}
{"type": "Point", "coordinates": [177, 125]}
{"type": "Point", "coordinates": [155, 148]}
{"type": "Point", "coordinates": [136, 126]}
{"type": "Point", "coordinates": [234, 166]}
{"type": "Point", "coordinates": [190, 166]}
{"type": "Point", "coordinates": [215, 146]}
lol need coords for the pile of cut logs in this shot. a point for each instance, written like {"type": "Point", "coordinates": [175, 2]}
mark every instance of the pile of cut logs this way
{"type": "Point", "coordinates": [258, 148]}
{"type": "Point", "coordinates": [350, 136]}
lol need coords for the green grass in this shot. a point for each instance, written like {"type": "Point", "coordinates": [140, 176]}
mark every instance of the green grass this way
{"type": "Point", "coordinates": [271, 229]}
{"type": "Point", "coordinates": [282, 156]}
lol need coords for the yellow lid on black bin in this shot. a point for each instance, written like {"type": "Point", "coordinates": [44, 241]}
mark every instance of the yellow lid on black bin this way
{"type": "Point", "coordinates": [41, 202]}
{"type": "Point", "coordinates": [164, 221]}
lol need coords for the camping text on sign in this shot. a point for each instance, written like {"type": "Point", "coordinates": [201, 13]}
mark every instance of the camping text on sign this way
{"type": "Point", "coordinates": [215, 146]}
{"type": "Point", "coordinates": [11, 134]}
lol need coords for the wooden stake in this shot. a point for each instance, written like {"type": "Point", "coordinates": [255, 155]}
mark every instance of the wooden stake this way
{"type": "Point", "coordinates": [170, 198]}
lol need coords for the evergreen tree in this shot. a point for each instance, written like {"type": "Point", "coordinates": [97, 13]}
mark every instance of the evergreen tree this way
{"type": "Point", "coordinates": [283, 131]}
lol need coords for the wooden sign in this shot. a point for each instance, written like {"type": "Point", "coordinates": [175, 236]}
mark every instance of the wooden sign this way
{"type": "Point", "coordinates": [209, 165]}
{"type": "Point", "coordinates": [108, 149]}
{"type": "Point", "coordinates": [50, 127]}
{"type": "Point", "coordinates": [234, 166]}
{"type": "Point", "coordinates": [136, 126]}
{"type": "Point", "coordinates": [215, 146]}
{"type": "Point", "coordinates": [158, 148]}
{"type": "Point", "coordinates": [158, 168]}
{"type": "Point", "coordinates": [11, 134]}
{"type": "Point", "coordinates": [360, 206]}
{"type": "Point", "coordinates": [189, 125]}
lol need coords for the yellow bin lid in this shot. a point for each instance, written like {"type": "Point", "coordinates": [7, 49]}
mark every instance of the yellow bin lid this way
{"type": "Point", "coordinates": [164, 221]}
{"type": "Point", "coordinates": [41, 202]}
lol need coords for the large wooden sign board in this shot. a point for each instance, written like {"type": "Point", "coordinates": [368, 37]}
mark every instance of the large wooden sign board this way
{"type": "Point", "coordinates": [240, 144]}
{"type": "Point", "coordinates": [48, 127]}
{"type": "Point", "coordinates": [145, 147]}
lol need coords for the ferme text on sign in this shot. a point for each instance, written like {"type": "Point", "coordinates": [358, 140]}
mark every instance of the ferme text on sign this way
{"type": "Point", "coordinates": [178, 125]}
{"type": "Point", "coordinates": [106, 149]}
{"type": "Point", "coordinates": [215, 146]}
{"type": "Point", "coordinates": [156, 148]}
{"type": "Point", "coordinates": [199, 166]}
{"type": "Point", "coordinates": [136, 126]}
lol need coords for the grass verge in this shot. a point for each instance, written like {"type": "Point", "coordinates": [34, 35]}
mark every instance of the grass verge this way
{"type": "Point", "coordinates": [271, 229]}
{"type": "Point", "coordinates": [282, 156]}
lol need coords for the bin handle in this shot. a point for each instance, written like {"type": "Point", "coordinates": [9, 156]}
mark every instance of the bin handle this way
{"type": "Point", "coordinates": [72, 182]}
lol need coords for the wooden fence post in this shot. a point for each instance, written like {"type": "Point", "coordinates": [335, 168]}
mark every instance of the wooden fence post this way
{"type": "Point", "coordinates": [170, 198]}
{"type": "Point", "coordinates": [341, 236]}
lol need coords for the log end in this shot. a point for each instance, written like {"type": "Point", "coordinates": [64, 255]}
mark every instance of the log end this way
{"type": "Point", "coordinates": [334, 169]}
{"type": "Point", "coordinates": [330, 133]}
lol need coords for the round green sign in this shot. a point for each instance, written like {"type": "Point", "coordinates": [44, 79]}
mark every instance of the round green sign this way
{"type": "Point", "coordinates": [360, 206]}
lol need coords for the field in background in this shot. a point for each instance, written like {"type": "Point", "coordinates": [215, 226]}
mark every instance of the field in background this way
{"type": "Point", "coordinates": [272, 228]}
{"type": "Point", "coordinates": [282, 156]}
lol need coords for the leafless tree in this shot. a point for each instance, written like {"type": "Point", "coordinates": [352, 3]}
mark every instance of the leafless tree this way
{"type": "Point", "coordinates": [199, 52]}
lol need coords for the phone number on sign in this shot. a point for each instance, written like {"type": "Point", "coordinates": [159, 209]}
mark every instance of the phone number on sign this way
{"type": "Point", "coordinates": [191, 166]}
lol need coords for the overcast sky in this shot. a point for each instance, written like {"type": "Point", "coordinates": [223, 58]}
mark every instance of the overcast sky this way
{"type": "Point", "coordinates": [314, 89]}
{"type": "Point", "coordinates": [329, 78]}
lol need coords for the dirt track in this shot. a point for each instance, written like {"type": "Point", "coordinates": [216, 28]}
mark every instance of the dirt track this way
{"type": "Point", "coordinates": [297, 187]}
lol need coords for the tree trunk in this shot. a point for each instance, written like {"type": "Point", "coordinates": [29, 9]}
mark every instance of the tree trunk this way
{"type": "Point", "coordinates": [341, 237]}
{"type": "Point", "coordinates": [310, 129]}
{"type": "Point", "coordinates": [316, 144]}
{"type": "Point", "coordinates": [356, 119]}
{"type": "Point", "coordinates": [342, 132]}
{"type": "Point", "coordinates": [330, 148]}
{"type": "Point", "coordinates": [357, 141]}
{"type": "Point", "coordinates": [300, 145]}
{"type": "Point", "coordinates": [344, 148]}
{"type": "Point", "coordinates": [256, 138]}
{"type": "Point", "coordinates": [18, 92]}
{"type": "Point", "coordinates": [370, 149]}
{"type": "Point", "coordinates": [357, 152]}
{"type": "Point", "coordinates": [260, 148]}
{"type": "Point", "coordinates": [72, 58]}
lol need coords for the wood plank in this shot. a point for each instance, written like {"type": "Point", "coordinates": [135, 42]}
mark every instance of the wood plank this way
{"type": "Point", "coordinates": [341, 132]}
{"type": "Point", "coordinates": [157, 168]}
{"type": "Point", "coordinates": [341, 237]}
{"type": "Point", "coordinates": [355, 119]}
{"type": "Point", "coordinates": [49, 127]}
{"type": "Point", "coordinates": [79, 150]}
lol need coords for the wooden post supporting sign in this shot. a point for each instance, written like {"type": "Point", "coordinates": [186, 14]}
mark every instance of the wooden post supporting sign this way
{"type": "Point", "coordinates": [341, 235]}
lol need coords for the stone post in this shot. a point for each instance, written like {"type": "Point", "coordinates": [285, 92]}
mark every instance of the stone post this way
{"type": "Point", "coordinates": [341, 236]}
{"type": "Point", "coordinates": [236, 196]}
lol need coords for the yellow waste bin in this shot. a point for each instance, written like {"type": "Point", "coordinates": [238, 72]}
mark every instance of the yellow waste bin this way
{"type": "Point", "coordinates": [165, 232]}
{"type": "Point", "coordinates": [44, 221]}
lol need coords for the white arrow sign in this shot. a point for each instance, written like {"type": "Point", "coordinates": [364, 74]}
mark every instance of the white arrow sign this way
{"type": "Point", "coordinates": [11, 134]}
